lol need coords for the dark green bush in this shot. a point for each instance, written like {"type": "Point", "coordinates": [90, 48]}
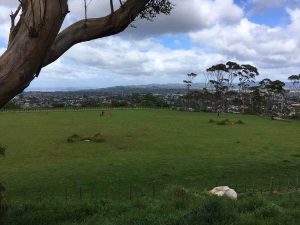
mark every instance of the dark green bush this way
{"type": "Point", "coordinates": [98, 138]}
{"type": "Point", "coordinates": [224, 122]}
{"type": "Point", "coordinates": [213, 211]}
{"type": "Point", "coordinates": [31, 213]}
{"type": "Point", "coordinates": [211, 121]}
{"type": "Point", "coordinates": [239, 122]}
{"type": "Point", "coordinates": [250, 204]}
{"type": "Point", "coordinates": [270, 210]}
{"type": "Point", "coordinates": [73, 138]}
{"type": "Point", "coordinates": [2, 149]}
{"type": "Point", "coordinates": [181, 198]}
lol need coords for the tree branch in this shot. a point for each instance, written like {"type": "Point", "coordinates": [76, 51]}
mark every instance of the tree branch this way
{"type": "Point", "coordinates": [14, 28]}
{"type": "Point", "coordinates": [95, 28]}
{"type": "Point", "coordinates": [112, 10]}
{"type": "Point", "coordinates": [13, 17]}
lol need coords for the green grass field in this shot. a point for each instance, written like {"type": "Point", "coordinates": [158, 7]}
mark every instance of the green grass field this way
{"type": "Point", "coordinates": [145, 153]}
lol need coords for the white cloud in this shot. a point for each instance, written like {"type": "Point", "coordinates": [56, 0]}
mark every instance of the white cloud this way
{"type": "Point", "coordinates": [139, 58]}
{"type": "Point", "coordinates": [261, 45]}
{"type": "Point", "coordinates": [219, 31]}
{"type": "Point", "coordinates": [188, 16]}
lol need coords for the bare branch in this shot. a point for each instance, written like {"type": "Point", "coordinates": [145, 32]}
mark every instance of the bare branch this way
{"type": "Point", "coordinates": [96, 28]}
{"type": "Point", "coordinates": [112, 6]}
{"type": "Point", "coordinates": [85, 13]}
{"type": "Point", "coordinates": [13, 16]}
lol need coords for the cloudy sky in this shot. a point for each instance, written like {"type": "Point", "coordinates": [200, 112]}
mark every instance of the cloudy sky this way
{"type": "Point", "coordinates": [198, 34]}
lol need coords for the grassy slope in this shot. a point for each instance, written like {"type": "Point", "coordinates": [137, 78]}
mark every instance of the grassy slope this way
{"type": "Point", "coordinates": [141, 146]}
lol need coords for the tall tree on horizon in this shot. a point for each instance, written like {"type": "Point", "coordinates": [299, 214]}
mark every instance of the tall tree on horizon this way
{"type": "Point", "coordinates": [223, 77]}
{"type": "Point", "coordinates": [246, 75]}
{"type": "Point", "coordinates": [189, 81]}
{"type": "Point", "coordinates": [272, 90]}
{"type": "Point", "coordinates": [295, 79]}
{"type": "Point", "coordinates": [219, 81]}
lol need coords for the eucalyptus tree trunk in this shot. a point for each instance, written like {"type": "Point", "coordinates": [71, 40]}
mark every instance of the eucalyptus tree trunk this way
{"type": "Point", "coordinates": [35, 41]}
{"type": "Point", "coordinates": [28, 45]}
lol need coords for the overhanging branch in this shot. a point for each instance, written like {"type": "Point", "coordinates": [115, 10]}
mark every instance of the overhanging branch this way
{"type": "Point", "coordinates": [90, 29]}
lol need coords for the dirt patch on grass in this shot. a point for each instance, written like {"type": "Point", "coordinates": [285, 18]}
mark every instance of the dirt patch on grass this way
{"type": "Point", "coordinates": [226, 122]}
{"type": "Point", "coordinates": [98, 138]}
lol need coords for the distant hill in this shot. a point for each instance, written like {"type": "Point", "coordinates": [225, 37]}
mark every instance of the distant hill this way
{"type": "Point", "coordinates": [125, 90]}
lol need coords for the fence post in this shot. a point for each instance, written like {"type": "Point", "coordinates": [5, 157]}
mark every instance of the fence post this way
{"type": "Point", "coordinates": [130, 192]}
{"type": "Point", "coordinates": [80, 193]}
{"type": "Point", "coordinates": [106, 193]}
{"type": "Point", "coordinates": [261, 187]}
{"type": "Point", "coordinates": [66, 194]}
{"type": "Point", "coordinates": [92, 193]}
{"type": "Point", "coordinates": [153, 189]}
{"type": "Point", "coordinates": [40, 196]}
{"type": "Point", "coordinates": [297, 183]}
{"type": "Point", "coordinates": [271, 185]}
{"type": "Point", "coordinates": [119, 190]}
{"type": "Point", "coordinates": [288, 188]}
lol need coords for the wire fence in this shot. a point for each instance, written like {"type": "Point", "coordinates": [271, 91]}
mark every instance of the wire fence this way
{"type": "Point", "coordinates": [155, 190]}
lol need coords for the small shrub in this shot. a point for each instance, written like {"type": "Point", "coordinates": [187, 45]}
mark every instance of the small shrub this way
{"type": "Point", "coordinates": [227, 122]}
{"type": "Point", "coordinates": [182, 198]}
{"type": "Point", "coordinates": [239, 122]}
{"type": "Point", "coordinates": [270, 210]}
{"type": "Point", "coordinates": [98, 138]}
{"type": "Point", "coordinates": [292, 200]}
{"type": "Point", "coordinates": [250, 204]}
{"type": "Point", "coordinates": [213, 211]}
{"type": "Point", "coordinates": [2, 150]}
{"type": "Point", "coordinates": [73, 138]}
{"type": "Point", "coordinates": [224, 122]}
{"type": "Point", "coordinates": [212, 121]}
{"type": "Point", "coordinates": [180, 193]}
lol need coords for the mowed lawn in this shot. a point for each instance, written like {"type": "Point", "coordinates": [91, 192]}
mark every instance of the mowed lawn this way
{"type": "Point", "coordinates": [143, 146]}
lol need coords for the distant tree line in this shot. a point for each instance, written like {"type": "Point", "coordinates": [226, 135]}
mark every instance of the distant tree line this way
{"type": "Point", "coordinates": [232, 87]}
{"type": "Point", "coordinates": [139, 100]}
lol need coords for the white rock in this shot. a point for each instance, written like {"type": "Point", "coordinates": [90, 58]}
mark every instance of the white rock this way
{"type": "Point", "coordinates": [224, 191]}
